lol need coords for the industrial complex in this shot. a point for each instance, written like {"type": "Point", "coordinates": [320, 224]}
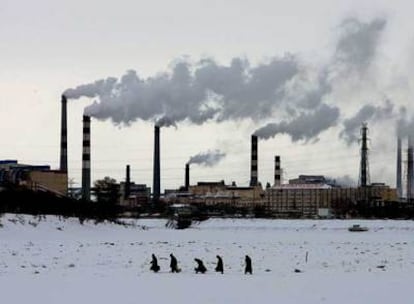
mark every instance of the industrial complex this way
{"type": "Point", "coordinates": [305, 196]}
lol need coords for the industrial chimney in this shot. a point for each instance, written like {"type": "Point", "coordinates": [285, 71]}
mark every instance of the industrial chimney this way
{"type": "Point", "coordinates": [127, 190]}
{"type": "Point", "coordinates": [399, 164]}
{"type": "Point", "coordinates": [278, 171]}
{"type": "Point", "coordinates": [253, 163]}
{"type": "Point", "coordinates": [187, 177]}
{"type": "Point", "coordinates": [364, 169]}
{"type": "Point", "coordinates": [157, 175]}
{"type": "Point", "coordinates": [64, 137]}
{"type": "Point", "coordinates": [410, 170]}
{"type": "Point", "coordinates": [86, 159]}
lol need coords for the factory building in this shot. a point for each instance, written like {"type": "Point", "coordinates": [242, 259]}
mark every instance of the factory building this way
{"type": "Point", "coordinates": [37, 178]}
{"type": "Point", "coordinates": [134, 195]}
{"type": "Point", "coordinates": [318, 199]}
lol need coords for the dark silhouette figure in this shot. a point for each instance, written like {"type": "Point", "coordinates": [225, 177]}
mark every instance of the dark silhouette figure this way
{"type": "Point", "coordinates": [219, 266]}
{"type": "Point", "coordinates": [200, 266]}
{"type": "Point", "coordinates": [174, 264]}
{"type": "Point", "coordinates": [154, 264]}
{"type": "Point", "coordinates": [248, 266]}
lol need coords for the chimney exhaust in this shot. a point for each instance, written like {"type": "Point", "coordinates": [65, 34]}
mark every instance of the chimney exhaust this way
{"type": "Point", "coordinates": [86, 159]}
{"type": "Point", "coordinates": [156, 175]}
{"type": "Point", "coordinates": [253, 162]}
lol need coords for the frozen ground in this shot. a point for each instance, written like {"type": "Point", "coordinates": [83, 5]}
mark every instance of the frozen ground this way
{"type": "Point", "coordinates": [61, 261]}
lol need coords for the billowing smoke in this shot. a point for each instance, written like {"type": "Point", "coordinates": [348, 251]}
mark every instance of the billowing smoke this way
{"type": "Point", "coordinates": [195, 92]}
{"type": "Point", "coordinates": [208, 159]}
{"type": "Point", "coordinates": [344, 181]}
{"type": "Point", "coordinates": [405, 125]}
{"type": "Point", "coordinates": [304, 127]}
{"type": "Point", "coordinates": [358, 43]}
{"type": "Point", "coordinates": [165, 122]}
{"type": "Point", "coordinates": [368, 113]}
{"type": "Point", "coordinates": [206, 90]}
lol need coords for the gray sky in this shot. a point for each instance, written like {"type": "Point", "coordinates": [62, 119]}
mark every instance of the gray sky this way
{"type": "Point", "coordinates": [351, 61]}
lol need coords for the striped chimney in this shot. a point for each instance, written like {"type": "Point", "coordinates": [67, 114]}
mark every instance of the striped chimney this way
{"type": "Point", "coordinates": [86, 158]}
{"type": "Point", "coordinates": [278, 171]}
{"type": "Point", "coordinates": [253, 163]}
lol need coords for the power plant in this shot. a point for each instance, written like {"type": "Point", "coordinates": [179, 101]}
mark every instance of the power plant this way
{"type": "Point", "coordinates": [307, 195]}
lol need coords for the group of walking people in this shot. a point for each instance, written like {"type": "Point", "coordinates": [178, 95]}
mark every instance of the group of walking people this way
{"type": "Point", "coordinates": [201, 268]}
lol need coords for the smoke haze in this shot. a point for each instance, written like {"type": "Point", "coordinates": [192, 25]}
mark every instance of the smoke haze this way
{"type": "Point", "coordinates": [208, 159]}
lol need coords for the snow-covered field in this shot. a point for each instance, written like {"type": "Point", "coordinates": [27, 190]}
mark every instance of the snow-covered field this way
{"type": "Point", "coordinates": [61, 261]}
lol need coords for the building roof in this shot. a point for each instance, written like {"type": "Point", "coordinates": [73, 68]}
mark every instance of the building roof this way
{"type": "Point", "coordinates": [301, 186]}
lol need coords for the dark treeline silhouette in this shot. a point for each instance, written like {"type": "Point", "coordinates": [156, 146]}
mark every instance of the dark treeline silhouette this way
{"type": "Point", "coordinates": [21, 200]}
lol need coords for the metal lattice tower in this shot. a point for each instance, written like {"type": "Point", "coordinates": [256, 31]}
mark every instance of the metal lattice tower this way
{"type": "Point", "coordinates": [364, 179]}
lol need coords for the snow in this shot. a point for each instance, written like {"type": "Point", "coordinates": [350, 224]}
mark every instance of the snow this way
{"type": "Point", "coordinates": [52, 260]}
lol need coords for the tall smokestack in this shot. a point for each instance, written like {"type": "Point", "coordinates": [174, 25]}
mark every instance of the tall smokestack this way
{"type": "Point", "coordinates": [253, 163]}
{"type": "Point", "coordinates": [127, 183]}
{"type": "Point", "coordinates": [364, 169]}
{"type": "Point", "coordinates": [410, 170]}
{"type": "Point", "coordinates": [278, 171]}
{"type": "Point", "coordinates": [157, 175]}
{"type": "Point", "coordinates": [399, 164]}
{"type": "Point", "coordinates": [187, 176]}
{"type": "Point", "coordinates": [86, 159]}
{"type": "Point", "coordinates": [64, 137]}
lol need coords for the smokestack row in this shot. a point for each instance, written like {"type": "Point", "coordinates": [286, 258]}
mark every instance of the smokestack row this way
{"type": "Point", "coordinates": [253, 162]}
{"type": "Point", "coordinates": [86, 159]}
{"type": "Point", "coordinates": [278, 171]}
{"type": "Point", "coordinates": [157, 175]}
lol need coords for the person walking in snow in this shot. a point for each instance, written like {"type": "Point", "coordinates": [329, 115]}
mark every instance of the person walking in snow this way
{"type": "Point", "coordinates": [219, 266]}
{"type": "Point", "coordinates": [248, 265]}
{"type": "Point", "coordinates": [200, 266]}
{"type": "Point", "coordinates": [154, 264]}
{"type": "Point", "coordinates": [174, 264]}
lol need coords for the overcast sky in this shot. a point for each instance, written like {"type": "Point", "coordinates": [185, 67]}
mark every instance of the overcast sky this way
{"type": "Point", "coordinates": [303, 75]}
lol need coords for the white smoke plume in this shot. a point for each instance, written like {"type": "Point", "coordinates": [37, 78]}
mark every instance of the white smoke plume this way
{"type": "Point", "coordinates": [165, 122]}
{"type": "Point", "coordinates": [355, 50]}
{"type": "Point", "coordinates": [208, 159]}
{"type": "Point", "coordinates": [405, 124]}
{"type": "Point", "coordinates": [368, 113]}
{"type": "Point", "coordinates": [304, 127]}
{"type": "Point", "coordinates": [206, 90]}
{"type": "Point", "coordinates": [195, 92]}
